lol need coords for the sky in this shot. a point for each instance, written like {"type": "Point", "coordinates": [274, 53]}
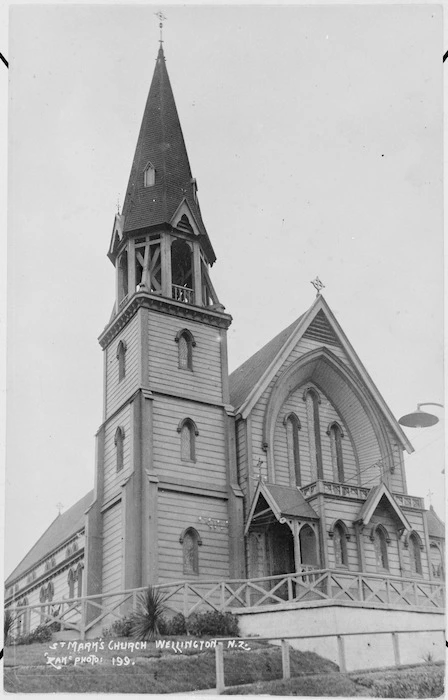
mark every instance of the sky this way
{"type": "Point", "coordinates": [315, 136]}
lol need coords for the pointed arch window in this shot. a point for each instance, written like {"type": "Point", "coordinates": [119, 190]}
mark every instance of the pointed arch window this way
{"type": "Point", "coordinates": [435, 556]}
{"type": "Point", "coordinates": [340, 535]}
{"type": "Point", "coordinates": [312, 401]}
{"type": "Point", "coordinates": [381, 539]}
{"type": "Point", "coordinates": [415, 560]}
{"type": "Point", "coordinates": [119, 448]}
{"type": "Point", "coordinates": [335, 433]}
{"type": "Point", "coordinates": [149, 175]}
{"type": "Point", "coordinates": [292, 424]}
{"type": "Point", "coordinates": [188, 433]}
{"type": "Point", "coordinates": [186, 343]}
{"type": "Point", "coordinates": [121, 357]}
{"type": "Point", "coordinates": [71, 583]}
{"type": "Point", "coordinates": [79, 576]}
{"type": "Point", "coordinates": [190, 541]}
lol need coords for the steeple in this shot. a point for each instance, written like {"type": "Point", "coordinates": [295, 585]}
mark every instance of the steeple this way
{"type": "Point", "coordinates": [159, 242]}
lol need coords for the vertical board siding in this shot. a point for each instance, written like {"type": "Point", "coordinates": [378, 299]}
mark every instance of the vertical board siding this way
{"type": "Point", "coordinates": [183, 511]}
{"type": "Point", "coordinates": [327, 414]}
{"type": "Point", "coordinates": [112, 478]}
{"type": "Point", "coordinates": [118, 391]}
{"type": "Point", "coordinates": [210, 445]}
{"type": "Point", "coordinates": [112, 548]}
{"type": "Point", "coordinates": [204, 381]}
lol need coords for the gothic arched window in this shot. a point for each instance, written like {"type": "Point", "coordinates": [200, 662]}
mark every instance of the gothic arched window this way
{"type": "Point", "coordinates": [312, 401]}
{"type": "Point", "coordinates": [414, 553]}
{"type": "Point", "coordinates": [293, 426]}
{"type": "Point", "coordinates": [435, 556]}
{"type": "Point", "coordinates": [71, 583]}
{"type": "Point", "coordinates": [340, 544]}
{"type": "Point", "coordinates": [79, 571]}
{"type": "Point", "coordinates": [186, 343]}
{"type": "Point", "coordinates": [336, 434]}
{"type": "Point", "coordinates": [121, 357]}
{"type": "Point", "coordinates": [380, 541]}
{"type": "Point", "coordinates": [119, 440]}
{"type": "Point", "coordinates": [149, 175]}
{"type": "Point", "coordinates": [190, 542]}
{"type": "Point", "coordinates": [188, 432]}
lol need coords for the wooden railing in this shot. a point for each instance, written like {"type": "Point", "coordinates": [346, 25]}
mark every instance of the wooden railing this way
{"type": "Point", "coordinates": [184, 294]}
{"type": "Point", "coordinates": [300, 588]}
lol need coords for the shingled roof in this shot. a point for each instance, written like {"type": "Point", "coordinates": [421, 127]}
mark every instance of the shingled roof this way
{"type": "Point", "coordinates": [244, 378]}
{"type": "Point", "coordinates": [161, 144]}
{"type": "Point", "coordinates": [436, 527]}
{"type": "Point", "coordinates": [61, 529]}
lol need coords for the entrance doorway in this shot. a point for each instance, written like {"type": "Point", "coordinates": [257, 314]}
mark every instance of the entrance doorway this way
{"type": "Point", "coordinates": [308, 547]}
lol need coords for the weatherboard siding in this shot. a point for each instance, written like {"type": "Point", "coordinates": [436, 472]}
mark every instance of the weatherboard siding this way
{"type": "Point", "coordinates": [112, 549]}
{"type": "Point", "coordinates": [184, 511]}
{"type": "Point", "coordinates": [204, 380]}
{"type": "Point", "coordinates": [118, 391]}
{"type": "Point", "coordinates": [210, 446]}
{"type": "Point", "coordinates": [112, 477]}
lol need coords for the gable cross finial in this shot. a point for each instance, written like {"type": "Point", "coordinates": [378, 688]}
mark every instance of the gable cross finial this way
{"type": "Point", "coordinates": [59, 506]}
{"type": "Point", "coordinates": [118, 204]}
{"type": "Point", "coordinates": [430, 494]}
{"type": "Point", "coordinates": [162, 19]}
{"type": "Point", "coordinates": [318, 285]}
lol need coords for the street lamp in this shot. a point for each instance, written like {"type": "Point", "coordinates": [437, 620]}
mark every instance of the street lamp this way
{"type": "Point", "coordinates": [420, 419]}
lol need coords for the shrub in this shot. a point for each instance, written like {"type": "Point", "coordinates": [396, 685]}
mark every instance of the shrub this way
{"type": "Point", "coordinates": [41, 634]}
{"type": "Point", "coordinates": [146, 621]}
{"type": "Point", "coordinates": [174, 627]}
{"type": "Point", "coordinates": [213, 624]}
{"type": "Point", "coordinates": [121, 627]}
{"type": "Point", "coordinates": [8, 624]}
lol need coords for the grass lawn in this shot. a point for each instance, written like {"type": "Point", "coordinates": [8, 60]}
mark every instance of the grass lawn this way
{"type": "Point", "coordinates": [152, 671]}
{"type": "Point", "coordinates": [418, 682]}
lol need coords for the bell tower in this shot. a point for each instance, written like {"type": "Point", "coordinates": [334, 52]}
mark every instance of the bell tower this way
{"type": "Point", "coordinates": [167, 502]}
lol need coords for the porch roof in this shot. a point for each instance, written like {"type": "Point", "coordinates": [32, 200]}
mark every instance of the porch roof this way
{"type": "Point", "coordinates": [284, 501]}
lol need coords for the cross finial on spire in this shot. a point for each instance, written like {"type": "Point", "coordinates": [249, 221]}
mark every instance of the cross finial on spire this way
{"type": "Point", "coordinates": [162, 18]}
{"type": "Point", "coordinates": [318, 285]}
{"type": "Point", "coordinates": [118, 204]}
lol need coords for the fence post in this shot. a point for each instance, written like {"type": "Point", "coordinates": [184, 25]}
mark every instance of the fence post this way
{"type": "Point", "coordinates": [341, 654]}
{"type": "Point", "coordinates": [82, 625]}
{"type": "Point", "coordinates": [219, 658]}
{"type": "Point", "coordinates": [286, 661]}
{"type": "Point", "coordinates": [396, 649]}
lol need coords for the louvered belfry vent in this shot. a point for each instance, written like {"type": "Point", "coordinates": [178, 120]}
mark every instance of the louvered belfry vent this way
{"type": "Point", "coordinates": [184, 224]}
{"type": "Point", "coordinates": [321, 330]}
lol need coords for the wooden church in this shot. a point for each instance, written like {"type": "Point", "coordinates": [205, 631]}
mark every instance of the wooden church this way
{"type": "Point", "coordinates": [293, 463]}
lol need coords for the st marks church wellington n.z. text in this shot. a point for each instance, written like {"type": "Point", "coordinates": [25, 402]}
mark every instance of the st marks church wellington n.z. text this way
{"type": "Point", "coordinates": [289, 471]}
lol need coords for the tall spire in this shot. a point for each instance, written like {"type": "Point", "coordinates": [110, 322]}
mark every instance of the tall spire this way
{"type": "Point", "coordinates": [153, 199]}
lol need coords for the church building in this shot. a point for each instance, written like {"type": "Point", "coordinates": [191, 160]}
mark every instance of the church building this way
{"type": "Point", "coordinates": [291, 464]}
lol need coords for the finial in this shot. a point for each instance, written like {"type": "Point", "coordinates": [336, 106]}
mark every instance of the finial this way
{"type": "Point", "coordinates": [118, 204]}
{"type": "Point", "coordinates": [318, 285]}
{"type": "Point", "coordinates": [430, 495]}
{"type": "Point", "coordinates": [162, 18]}
{"type": "Point", "coordinates": [59, 506]}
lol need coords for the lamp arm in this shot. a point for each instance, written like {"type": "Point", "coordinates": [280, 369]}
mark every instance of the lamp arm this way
{"type": "Point", "coordinates": [429, 403]}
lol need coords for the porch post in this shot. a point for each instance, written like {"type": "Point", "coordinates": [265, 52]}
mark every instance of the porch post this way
{"type": "Point", "coordinates": [297, 556]}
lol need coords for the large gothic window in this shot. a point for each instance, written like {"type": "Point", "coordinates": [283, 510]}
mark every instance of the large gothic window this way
{"type": "Point", "coordinates": [293, 426]}
{"type": "Point", "coordinates": [190, 542]}
{"type": "Point", "coordinates": [188, 432]}
{"type": "Point", "coordinates": [186, 343]}
{"type": "Point", "coordinates": [335, 433]}
{"type": "Point", "coordinates": [380, 541]}
{"type": "Point", "coordinates": [312, 400]}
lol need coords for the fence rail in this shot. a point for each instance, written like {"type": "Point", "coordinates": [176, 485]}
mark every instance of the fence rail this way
{"type": "Point", "coordinates": [300, 588]}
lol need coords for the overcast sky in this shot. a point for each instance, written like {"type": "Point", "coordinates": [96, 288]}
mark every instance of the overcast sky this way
{"type": "Point", "coordinates": [315, 135]}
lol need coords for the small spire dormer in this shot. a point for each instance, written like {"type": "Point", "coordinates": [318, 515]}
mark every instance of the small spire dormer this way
{"type": "Point", "coordinates": [159, 242]}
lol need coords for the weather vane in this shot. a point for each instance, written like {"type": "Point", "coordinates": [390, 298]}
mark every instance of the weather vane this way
{"type": "Point", "coordinates": [318, 285]}
{"type": "Point", "coordinates": [162, 19]}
